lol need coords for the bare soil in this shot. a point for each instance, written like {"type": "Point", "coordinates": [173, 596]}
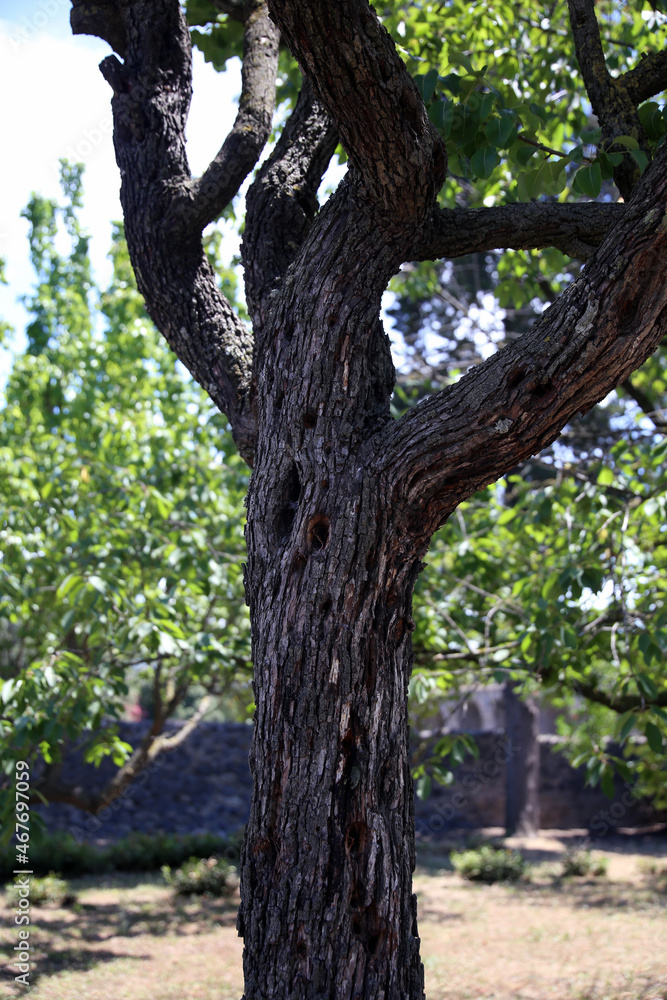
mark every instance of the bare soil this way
{"type": "Point", "coordinates": [128, 938]}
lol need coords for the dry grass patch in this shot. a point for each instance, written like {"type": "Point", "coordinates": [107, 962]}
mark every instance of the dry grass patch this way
{"type": "Point", "coordinates": [129, 938]}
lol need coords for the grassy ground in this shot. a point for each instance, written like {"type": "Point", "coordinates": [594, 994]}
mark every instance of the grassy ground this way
{"type": "Point", "coordinates": [586, 939]}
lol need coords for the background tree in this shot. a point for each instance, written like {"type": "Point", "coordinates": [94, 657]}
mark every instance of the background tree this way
{"type": "Point", "coordinates": [343, 500]}
{"type": "Point", "coordinates": [120, 522]}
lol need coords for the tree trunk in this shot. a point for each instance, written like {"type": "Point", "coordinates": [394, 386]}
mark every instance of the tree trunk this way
{"type": "Point", "coordinates": [522, 803]}
{"type": "Point", "coordinates": [327, 908]}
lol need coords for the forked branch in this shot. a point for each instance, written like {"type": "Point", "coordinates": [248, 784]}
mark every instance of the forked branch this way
{"type": "Point", "coordinates": [360, 79]}
{"type": "Point", "coordinates": [601, 329]}
{"type": "Point", "coordinates": [282, 201]}
{"type": "Point", "coordinates": [164, 211]}
{"type": "Point", "coordinates": [213, 191]}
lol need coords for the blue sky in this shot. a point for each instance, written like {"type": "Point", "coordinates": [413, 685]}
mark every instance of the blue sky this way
{"type": "Point", "coordinates": [55, 104]}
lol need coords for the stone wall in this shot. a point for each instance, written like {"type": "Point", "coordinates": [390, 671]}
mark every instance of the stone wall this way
{"type": "Point", "coordinates": [204, 786]}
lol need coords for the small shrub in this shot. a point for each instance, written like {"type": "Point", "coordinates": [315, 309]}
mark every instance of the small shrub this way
{"type": "Point", "coordinates": [50, 891]}
{"type": "Point", "coordinates": [202, 876]}
{"type": "Point", "coordinates": [489, 864]}
{"type": "Point", "coordinates": [580, 863]}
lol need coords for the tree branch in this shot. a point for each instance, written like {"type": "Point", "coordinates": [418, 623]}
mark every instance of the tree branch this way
{"type": "Point", "coordinates": [360, 79]}
{"type": "Point", "coordinates": [283, 198]}
{"type": "Point", "coordinates": [574, 229]}
{"type": "Point", "coordinates": [617, 703]}
{"type": "Point", "coordinates": [609, 97]}
{"type": "Point", "coordinates": [101, 19]}
{"type": "Point", "coordinates": [648, 78]}
{"type": "Point", "coordinates": [152, 745]}
{"type": "Point", "coordinates": [205, 198]}
{"type": "Point", "coordinates": [601, 329]}
{"type": "Point", "coordinates": [152, 90]}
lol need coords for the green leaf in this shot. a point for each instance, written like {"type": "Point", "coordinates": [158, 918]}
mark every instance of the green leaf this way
{"type": "Point", "coordinates": [429, 85]}
{"type": "Point", "coordinates": [484, 161]}
{"type": "Point", "coordinates": [591, 136]}
{"type": "Point", "coordinates": [67, 620]}
{"type": "Point", "coordinates": [644, 682]}
{"type": "Point", "coordinates": [605, 476]}
{"type": "Point", "coordinates": [508, 515]}
{"type": "Point", "coordinates": [654, 737]}
{"type": "Point", "coordinates": [456, 58]}
{"type": "Point", "coordinates": [626, 141]}
{"type": "Point", "coordinates": [640, 158]}
{"type": "Point", "coordinates": [72, 583]}
{"type": "Point", "coordinates": [607, 782]}
{"type": "Point", "coordinates": [628, 723]}
{"type": "Point", "coordinates": [436, 114]}
{"type": "Point", "coordinates": [651, 117]}
{"type": "Point", "coordinates": [588, 180]}
{"type": "Point", "coordinates": [570, 638]}
{"type": "Point", "coordinates": [424, 786]}
{"type": "Point", "coordinates": [501, 131]}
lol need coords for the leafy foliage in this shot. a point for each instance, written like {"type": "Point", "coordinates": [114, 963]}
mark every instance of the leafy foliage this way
{"type": "Point", "coordinates": [121, 511]}
{"type": "Point", "coordinates": [581, 863]}
{"type": "Point", "coordinates": [557, 578]}
{"type": "Point", "coordinates": [51, 890]}
{"type": "Point", "coordinates": [489, 864]}
{"type": "Point", "coordinates": [202, 876]}
{"type": "Point", "coordinates": [139, 852]}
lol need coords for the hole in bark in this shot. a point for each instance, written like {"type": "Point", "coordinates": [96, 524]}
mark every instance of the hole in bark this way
{"type": "Point", "coordinates": [373, 942]}
{"type": "Point", "coordinates": [514, 379]}
{"type": "Point", "coordinates": [541, 389]}
{"type": "Point", "coordinates": [367, 926]}
{"type": "Point", "coordinates": [318, 532]}
{"type": "Point", "coordinates": [309, 419]}
{"type": "Point", "coordinates": [279, 401]}
{"type": "Point", "coordinates": [355, 837]}
{"type": "Point", "coordinates": [302, 949]}
{"type": "Point", "coordinates": [326, 606]}
{"type": "Point", "coordinates": [292, 491]}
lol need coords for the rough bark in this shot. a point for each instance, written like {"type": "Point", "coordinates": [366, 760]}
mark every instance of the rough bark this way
{"type": "Point", "coordinates": [522, 782]}
{"type": "Point", "coordinates": [610, 97]}
{"type": "Point", "coordinates": [343, 500]}
{"type": "Point", "coordinates": [596, 333]}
